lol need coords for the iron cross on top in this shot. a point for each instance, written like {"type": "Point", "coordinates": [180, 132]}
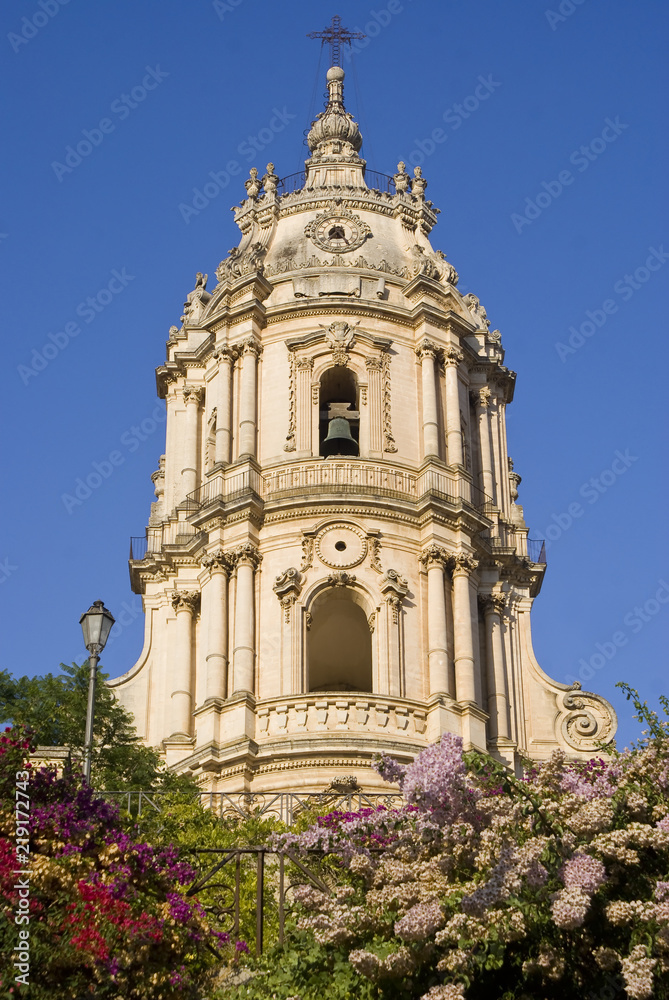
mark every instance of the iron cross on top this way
{"type": "Point", "coordinates": [334, 36]}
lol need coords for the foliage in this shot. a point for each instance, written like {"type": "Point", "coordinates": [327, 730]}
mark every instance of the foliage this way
{"type": "Point", "coordinates": [54, 708]}
{"type": "Point", "coordinates": [109, 914]}
{"type": "Point", "coordinates": [553, 885]}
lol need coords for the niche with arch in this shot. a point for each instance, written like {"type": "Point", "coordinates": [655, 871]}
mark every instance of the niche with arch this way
{"type": "Point", "coordinates": [338, 398]}
{"type": "Point", "coordinates": [339, 644]}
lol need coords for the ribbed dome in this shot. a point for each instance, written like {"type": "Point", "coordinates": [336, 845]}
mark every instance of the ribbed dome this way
{"type": "Point", "coordinates": [335, 122]}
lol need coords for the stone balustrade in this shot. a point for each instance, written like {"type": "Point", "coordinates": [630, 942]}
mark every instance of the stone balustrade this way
{"type": "Point", "coordinates": [339, 712]}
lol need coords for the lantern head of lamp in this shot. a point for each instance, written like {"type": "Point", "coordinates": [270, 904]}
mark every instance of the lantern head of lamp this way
{"type": "Point", "coordinates": [96, 624]}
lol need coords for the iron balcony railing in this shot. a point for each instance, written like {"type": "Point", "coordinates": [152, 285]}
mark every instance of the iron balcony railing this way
{"type": "Point", "coordinates": [374, 179]}
{"type": "Point", "coordinates": [153, 542]}
{"type": "Point", "coordinates": [536, 550]}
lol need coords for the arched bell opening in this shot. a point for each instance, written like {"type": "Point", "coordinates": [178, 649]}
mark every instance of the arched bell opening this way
{"type": "Point", "coordinates": [339, 423]}
{"type": "Point", "coordinates": [339, 644]}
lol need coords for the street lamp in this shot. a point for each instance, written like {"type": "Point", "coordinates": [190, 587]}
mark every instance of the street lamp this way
{"type": "Point", "coordinates": [96, 625]}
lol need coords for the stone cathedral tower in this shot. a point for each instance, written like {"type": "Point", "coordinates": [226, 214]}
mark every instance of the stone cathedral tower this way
{"type": "Point", "coordinates": [336, 564]}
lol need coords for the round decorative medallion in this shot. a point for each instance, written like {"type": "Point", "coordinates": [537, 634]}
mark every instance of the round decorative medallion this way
{"type": "Point", "coordinates": [337, 231]}
{"type": "Point", "coordinates": [341, 546]}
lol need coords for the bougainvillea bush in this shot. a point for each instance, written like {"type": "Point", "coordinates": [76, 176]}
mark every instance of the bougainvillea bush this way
{"type": "Point", "coordinates": [109, 915]}
{"type": "Point", "coordinates": [483, 885]}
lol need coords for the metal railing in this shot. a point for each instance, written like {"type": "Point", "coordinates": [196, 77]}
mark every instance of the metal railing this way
{"type": "Point", "coordinates": [284, 806]}
{"type": "Point", "coordinates": [375, 180]}
{"type": "Point", "coordinates": [152, 543]}
{"type": "Point", "coordinates": [536, 550]}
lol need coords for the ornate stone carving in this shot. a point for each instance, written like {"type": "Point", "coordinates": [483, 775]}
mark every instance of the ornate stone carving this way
{"type": "Point", "coordinates": [427, 349]}
{"type": "Point", "coordinates": [401, 178]}
{"type": "Point", "coordinates": [341, 546]}
{"type": "Point", "coordinates": [192, 394]}
{"type": "Point", "coordinates": [515, 480]}
{"type": "Point", "coordinates": [292, 404]}
{"type": "Point", "coordinates": [238, 264]}
{"type": "Point", "coordinates": [337, 229]}
{"type": "Point", "coordinates": [307, 553]}
{"type": "Point", "coordinates": [453, 356]}
{"type": "Point", "coordinates": [448, 272]}
{"type": "Point", "coordinates": [477, 311]}
{"type": "Point", "coordinates": [481, 397]}
{"type": "Point", "coordinates": [270, 181]}
{"type": "Point", "coordinates": [435, 554]}
{"type": "Point", "coordinates": [422, 263]}
{"type": "Point", "coordinates": [253, 185]}
{"type": "Point", "coordinates": [196, 300]}
{"type": "Point", "coordinates": [395, 604]}
{"type": "Point", "coordinates": [371, 621]}
{"type": "Point", "coordinates": [226, 353]}
{"type": "Point", "coordinates": [393, 583]}
{"type": "Point", "coordinates": [464, 563]}
{"type": "Point", "coordinates": [217, 560]}
{"type": "Point", "coordinates": [375, 553]}
{"type": "Point", "coordinates": [494, 603]}
{"type": "Point", "coordinates": [308, 620]}
{"type": "Point", "coordinates": [158, 478]}
{"type": "Point", "coordinates": [341, 579]}
{"type": "Point", "coordinates": [586, 720]}
{"type": "Point", "coordinates": [288, 582]}
{"type": "Point", "coordinates": [418, 184]}
{"type": "Point", "coordinates": [173, 334]}
{"type": "Point", "coordinates": [185, 600]}
{"type": "Point", "coordinates": [250, 346]}
{"type": "Point", "coordinates": [245, 554]}
{"type": "Point", "coordinates": [388, 439]}
{"type": "Point", "coordinates": [339, 337]}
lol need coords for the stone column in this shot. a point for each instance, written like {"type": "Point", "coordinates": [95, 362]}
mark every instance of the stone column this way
{"type": "Point", "coordinates": [463, 623]}
{"type": "Point", "coordinates": [427, 353]}
{"type": "Point", "coordinates": [305, 367]}
{"type": "Point", "coordinates": [481, 398]}
{"type": "Point", "coordinates": [394, 588]}
{"type": "Point", "coordinates": [434, 558]}
{"type": "Point", "coordinates": [215, 616]}
{"type": "Point", "coordinates": [246, 559]}
{"type": "Point", "coordinates": [498, 699]}
{"type": "Point", "coordinates": [455, 451]}
{"type": "Point", "coordinates": [248, 404]}
{"type": "Point", "coordinates": [185, 603]}
{"type": "Point", "coordinates": [189, 462]}
{"type": "Point", "coordinates": [375, 408]}
{"type": "Point", "coordinates": [223, 450]}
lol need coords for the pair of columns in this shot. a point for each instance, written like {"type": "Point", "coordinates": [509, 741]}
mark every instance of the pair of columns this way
{"type": "Point", "coordinates": [436, 561]}
{"type": "Point", "coordinates": [244, 560]}
{"type": "Point", "coordinates": [249, 351]}
{"type": "Point", "coordinates": [430, 356]}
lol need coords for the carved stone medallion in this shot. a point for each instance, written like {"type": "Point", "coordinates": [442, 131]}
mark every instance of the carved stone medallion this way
{"type": "Point", "coordinates": [337, 230]}
{"type": "Point", "coordinates": [341, 546]}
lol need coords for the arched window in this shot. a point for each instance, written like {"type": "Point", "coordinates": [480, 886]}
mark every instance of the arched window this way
{"type": "Point", "coordinates": [339, 644]}
{"type": "Point", "coordinates": [339, 402]}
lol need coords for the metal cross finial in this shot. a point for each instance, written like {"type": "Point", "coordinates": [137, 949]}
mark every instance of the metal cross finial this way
{"type": "Point", "coordinates": [335, 36]}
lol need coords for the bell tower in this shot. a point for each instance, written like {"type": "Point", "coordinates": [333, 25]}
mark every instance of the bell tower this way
{"type": "Point", "coordinates": [336, 564]}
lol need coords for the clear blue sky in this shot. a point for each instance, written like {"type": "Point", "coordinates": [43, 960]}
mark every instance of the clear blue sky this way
{"type": "Point", "coordinates": [542, 232]}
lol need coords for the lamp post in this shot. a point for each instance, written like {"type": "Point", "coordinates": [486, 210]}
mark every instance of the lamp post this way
{"type": "Point", "coordinates": [96, 625]}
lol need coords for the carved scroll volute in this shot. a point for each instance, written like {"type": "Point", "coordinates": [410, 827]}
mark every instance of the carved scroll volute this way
{"type": "Point", "coordinates": [287, 587]}
{"type": "Point", "coordinates": [586, 720]}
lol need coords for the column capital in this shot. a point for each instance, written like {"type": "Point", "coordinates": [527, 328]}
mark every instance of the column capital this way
{"type": "Point", "coordinates": [464, 563]}
{"type": "Point", "coordinates": [436, 555]}
{"type": "Point", "coordinates": [481, 397]}
{"type": "Point", "coordinates": [250, 345]}
{"type": "Point", "coordinates": [304, 364]}
{"type": "Point", "coordinates": [427, 349]}
{"type": "Point", "coordinates": [453, 356]}
{"type": "Point", "coordinates": [245, 555]}
{"type": "Point", "coordinates": [374, 364]}
{"type": "Point", "coordinates": [193, 394]}
{"type": "Point", "coordinates": [185, 600]}
{"type": "Point", "coordinates": [226, 353]}
{"type": "Point", "coordinates": [492, 603]}
{"type": "Point", "coordinates": [218, 560]}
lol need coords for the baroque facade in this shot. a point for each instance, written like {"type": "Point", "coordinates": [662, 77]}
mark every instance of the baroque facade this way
{"type": "Point", "coordinates": [336, 564]}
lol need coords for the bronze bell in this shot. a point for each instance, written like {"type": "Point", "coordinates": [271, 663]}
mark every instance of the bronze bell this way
{"type": "Point", "coordinates": [339, 440]}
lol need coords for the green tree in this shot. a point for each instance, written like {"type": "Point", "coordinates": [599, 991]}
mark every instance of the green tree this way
{"type": "Point", "coordinates": [53, 707]}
